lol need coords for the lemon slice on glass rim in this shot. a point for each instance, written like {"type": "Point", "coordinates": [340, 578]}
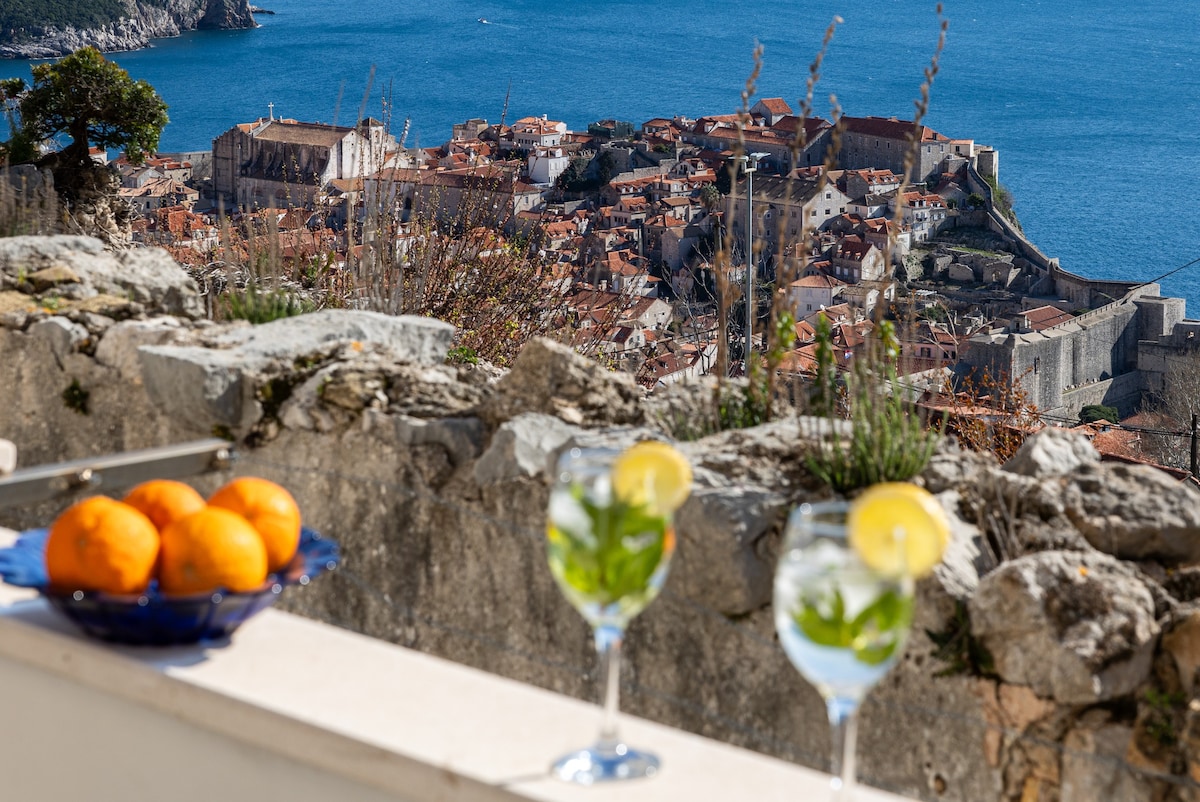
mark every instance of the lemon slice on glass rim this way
{"type": "Point", "coordinates": [652, 474]}
{"type": "Point", "coordinates": [898, 529]}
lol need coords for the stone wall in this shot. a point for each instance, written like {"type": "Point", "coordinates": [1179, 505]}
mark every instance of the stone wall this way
{"type": "Point", "coordinates": [1091, 293]}
{"type": "Point", "coordinates": [1002, 226]}
{"type": "Point", "coordinates": [1055, 362]}
{"type": "Point", "coordinates": [1053, 655]}
{"type": "Point", "coordinates": [1125, 392]}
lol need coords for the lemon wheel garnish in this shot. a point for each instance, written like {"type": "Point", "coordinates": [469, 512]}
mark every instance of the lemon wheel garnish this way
{"type": "Point", "coordinates": [898, 529]}
{"type": "Point", "coordinates": [653, 475]}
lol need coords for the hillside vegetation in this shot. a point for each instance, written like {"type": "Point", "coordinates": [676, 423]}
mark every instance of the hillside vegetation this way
{"type": "Point", "coordinates": [30, 15]}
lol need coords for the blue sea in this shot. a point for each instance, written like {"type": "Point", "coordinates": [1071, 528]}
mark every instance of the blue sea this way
{"type": "Point", "coordinates": [1094, 105]}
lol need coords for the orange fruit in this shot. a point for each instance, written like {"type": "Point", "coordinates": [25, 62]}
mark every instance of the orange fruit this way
{"type": "Point", "coordinates": [270, 509]}
{"type": "Point", "coordinates": [164, 500]}
{"type": "Point", "coordinates": [210, 550]}
{"type": "Point", "coordinates": [102, 544]}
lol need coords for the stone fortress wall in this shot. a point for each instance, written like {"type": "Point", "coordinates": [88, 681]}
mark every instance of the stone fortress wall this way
{"type": "Point", "coordinates": [1117, 353]}
{"type": "Point", "coordinates": [1113, 354]}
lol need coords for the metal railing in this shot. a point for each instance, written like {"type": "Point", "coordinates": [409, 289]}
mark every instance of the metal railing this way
{"type": "Point", "coordinates": [65, 480]}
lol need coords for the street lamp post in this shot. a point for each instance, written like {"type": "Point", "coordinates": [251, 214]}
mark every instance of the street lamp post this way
{"type": "Point", "coordinates": [750, 165]}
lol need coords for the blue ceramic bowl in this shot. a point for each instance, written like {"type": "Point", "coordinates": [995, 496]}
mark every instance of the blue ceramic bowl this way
{"type": "Point", "coordinates": [153, 618]}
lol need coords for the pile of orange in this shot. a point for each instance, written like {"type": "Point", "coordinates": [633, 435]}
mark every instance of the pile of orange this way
{"type": "Point", "coordinates": [166, 530]}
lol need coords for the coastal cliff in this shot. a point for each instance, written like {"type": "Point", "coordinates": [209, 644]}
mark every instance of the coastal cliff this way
{"type": "Point", "coordinates": [120, 25]}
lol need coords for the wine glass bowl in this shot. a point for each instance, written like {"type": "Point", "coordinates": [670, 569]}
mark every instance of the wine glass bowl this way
{"type": "Point", "coordinates": [609, 557]}
{"type": "Point", "coordinates": [842, 622]}
{"type": "Point", "coordinates": [609, 553]}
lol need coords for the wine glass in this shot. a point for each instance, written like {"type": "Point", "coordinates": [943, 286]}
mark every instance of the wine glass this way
{"type": "Point", "coordinates": [842, 623]}
{"type": "Point", "coordinates": [610, 558]}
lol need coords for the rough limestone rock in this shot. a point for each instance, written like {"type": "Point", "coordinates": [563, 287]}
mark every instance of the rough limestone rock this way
{"type": "Point", "coordinates": [952, 467]}
{"type": "Point", "coordinates": [35, 374]}
{"type": "Point", "coordinates": [118, 347]}
{"type": "Point", "coordinates": [728, 538]}
{"type": "Point", "coordinates": [340, 391]}
{"type": "Point", "coordinates": [226, 14]}
{"type": "Point", "coordinates": [551, 378]}
{"type": "Point", "coordinates": [1094, 763]}
{"type": "Point", "coordinates": [28, 178]}
{"type": "Point", "coordinates": [231, 378]}
{"type": "Point", "coordinates": [1073, 626]}
{"type": "Point", "coordinates": [435, 391]}
{"type": "Point", "coordinates": [139, 22]}
{"type": "Point", "coordinates": [63, 336]}
{"type": "Point", "coordinates": [1022, 514]}
{"type": "Point", "coordinates": [773, 454]}
{"type": "Point", "coordinates": [955, 579]}
{"type": "Point", "coordinates": [523, 447]}
{"type": "Point", "coordinates": [51, 277]}
{"type": "Point", "coordinates": [405, 337]}
{"type": "Point", "coordinates": [461, 440]}
{"type": "Point", "coordinates": [1052, 452]}
{"type": "Point", "coordinates": [1182, 644]}
{"type": "Point", "coordinates": [145, 276]}
{"type": "Point", "coordinates": [1135, 512]}
{"type": "Point", "coordinates": [684, 409]}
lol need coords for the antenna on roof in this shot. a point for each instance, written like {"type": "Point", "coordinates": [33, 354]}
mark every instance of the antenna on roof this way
{"type": "Point", "coordinates": [504, 111]}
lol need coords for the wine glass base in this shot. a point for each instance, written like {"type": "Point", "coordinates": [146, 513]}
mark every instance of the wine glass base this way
{"type": "Point", "coordinates": [605, 763]}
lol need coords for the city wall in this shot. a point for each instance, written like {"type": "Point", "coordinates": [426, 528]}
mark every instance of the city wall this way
{"type": "Point", "coordinates": [1057, 360]}
{"type": "Point", "coordinates": [1125, 393]}
{"type": "Point", "coordinates": [1102, 356]}
{"type": "Point", "coordinates": [1080, 291]}
{"type": "Point", "coordinates": [1002, 226]}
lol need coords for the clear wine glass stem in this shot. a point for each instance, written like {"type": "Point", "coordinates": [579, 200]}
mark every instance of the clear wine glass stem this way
{"type": "Point", "coordinates": [608, 645]}
{"type": "Point", "coordinates": [844, 724]}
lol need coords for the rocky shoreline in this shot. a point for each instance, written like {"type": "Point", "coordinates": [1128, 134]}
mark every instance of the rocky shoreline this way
{"type": "Point", "coordinates": [144, 23]}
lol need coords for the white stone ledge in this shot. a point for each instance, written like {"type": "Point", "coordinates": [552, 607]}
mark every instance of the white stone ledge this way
{"type": "Point", "coordinates": [299, 710]}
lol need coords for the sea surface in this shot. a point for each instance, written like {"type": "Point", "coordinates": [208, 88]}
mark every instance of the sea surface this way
{"type": "Point", "coordinates": [1094, 105]}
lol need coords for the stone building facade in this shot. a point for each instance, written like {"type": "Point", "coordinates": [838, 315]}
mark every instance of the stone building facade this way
{"type": "Point", "coordinates": [784, 208]}
{"type": "Point", "coordinates": [882, 143]}
{"type": "Point", "coordinates": [278, 163]}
